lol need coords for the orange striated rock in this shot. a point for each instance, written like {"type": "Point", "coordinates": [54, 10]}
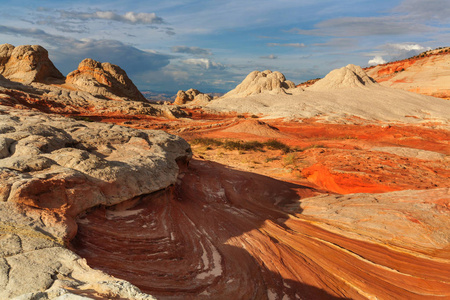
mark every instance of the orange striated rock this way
{"type": "Point", "coordinates": [427, 73]}
{"type": "Point", "coordinates": [103, 79]}
{"type": "Point", "coordinates": [26, 64]}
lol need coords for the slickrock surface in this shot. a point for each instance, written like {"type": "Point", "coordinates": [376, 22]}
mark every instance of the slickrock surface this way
{"type": "Point", "coordinates": [27, 64]}
{"type": "Point", "coordinates": [103, 79]}
{"type": "Point", "coordinates": [54, 168]}
{"type": "Point", "coordinates": [428, 73]}
{"type": "Point", "coordinates": [262, 82]}
{"type": "Point", "coordinates": [344, 93]}
{"type": "Point", "coordinates": [192, 97]}
{"type": "Point", "coordinates": [227, 234]}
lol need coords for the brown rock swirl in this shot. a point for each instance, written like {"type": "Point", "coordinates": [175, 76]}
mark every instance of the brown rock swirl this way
{"type": "Point", "coordinates": [227, 234]}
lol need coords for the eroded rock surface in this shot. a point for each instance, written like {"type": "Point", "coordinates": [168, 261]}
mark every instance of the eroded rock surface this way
{"type": "Point", "coordinates": [261, 82]}
{"type": "Point", "coordinates": [227, 234]}
{"type": "Point", "coordinates": [192, 97]}
{"type": "Point", "coordinates": [350, 76]}
{"type": "Point", "coordinates": [27, 64]}
{"type": "Point", "coordinates": [428, 73]}
{"type": "Point", "coordinates": [103, 79]}
{"type": "Point", "coordinates": [53, 168]}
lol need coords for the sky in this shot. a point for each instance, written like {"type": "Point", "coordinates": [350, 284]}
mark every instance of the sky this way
{"type": "Point", "coordinates": [211, 45]}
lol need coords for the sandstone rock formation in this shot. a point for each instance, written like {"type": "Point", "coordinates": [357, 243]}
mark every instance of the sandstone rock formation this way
{"type": "Point", "coordinates": [193, 97]}
{"type": "Point", "coordinates": [227, 234]}
{"type": "Point", "coordinates": [103, 79]}
{"type": "Point", "coordinates": [54, 168]}
{"type": "Point", "coordinates": [344, 93]}
{"type": "Point", "coordinates": [350, 76]}
{"type": "Point", "coordinates": [261, 82]}
{"type": "Point", "coordinates": [26, 64]}
{"type": "Point", "coordinates": [427, 73]}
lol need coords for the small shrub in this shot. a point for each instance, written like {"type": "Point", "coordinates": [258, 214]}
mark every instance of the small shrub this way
{"type": "Point", "coordinates": [277, 145]}
{"type": "Point", "coordinates": [207, 142]}
{"type": "Point", "coordinates": [241, 145]}
{"type": "Point", "coordinates": [255, 116]}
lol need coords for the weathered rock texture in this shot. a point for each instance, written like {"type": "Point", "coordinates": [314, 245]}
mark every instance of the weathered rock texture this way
{"type": "Point", "coordinates": [56, 168]}
{"type": "Point", "coordinates": [344, 93]}
{"type": "Point", "coordinates": [261, 82]}
{"type": "Point", "coordinates": [26, 64]}
{"type": "Point", "coordinates": [192, 97]}
{"type": "Point", "coordinates": [103, 79]}
{"type": "Point", "coordinates": [228, 234]}
{"type": "Point", "coordinates": [350, 76]}
{"type": "Point", "coordinates": [427, 73]}
{"type": "Point", "coordinates": [27, 81]}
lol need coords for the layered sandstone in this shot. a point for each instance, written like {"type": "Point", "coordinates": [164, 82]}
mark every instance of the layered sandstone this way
{"type": "Point", "coordinates": [27, 64]}
{"type": "Point", "coordinates": [54, 168]}
{"type": "Point", "coordinates": [227, 234]}
{"type": "Point", "coordinates": [427, 73]}
{"type": "Point", "coordinates": [192, 97]}
{"type": "Point", "coordinates": [103, 79]}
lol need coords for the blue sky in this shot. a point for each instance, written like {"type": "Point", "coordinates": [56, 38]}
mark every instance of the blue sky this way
{"type": "Point", "coordinates": [212, 45]}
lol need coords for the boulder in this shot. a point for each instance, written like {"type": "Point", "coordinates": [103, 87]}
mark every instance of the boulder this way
{"type": "Point", "coordinates": [27, 64]}
{"type": "Point", "coordinates": [104, 79]}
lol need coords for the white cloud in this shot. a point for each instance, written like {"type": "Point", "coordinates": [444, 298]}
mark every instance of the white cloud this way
{"type": "Point", "coordinates": [377, 60]}
{"type": "Point", "coordinates": [129, 17]}
{"type": "Point", "coordinates": [408, 47]}
{"type": "Point", "coordinates": [204, 63]}
{"type": "Point", "coordinates": [295, 45]}
{"type": "Point", "coordinates": [403, 50]}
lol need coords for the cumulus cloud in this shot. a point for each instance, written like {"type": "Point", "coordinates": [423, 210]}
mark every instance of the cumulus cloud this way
{"type": "Point", "coordinates": [403, 50]}
{"type": "Point", "coordinates": [377, 60]}
{"type": "Point", "coordinates": [295, 45]}
{"type": "Point", "coordinates": [129, 17]}
{"type": "Point", "coordinates": [191, 50]}
{"type": "Point", "coordinates": [271, 56]}
{"type": "Point", "coordinates": [204, 63]}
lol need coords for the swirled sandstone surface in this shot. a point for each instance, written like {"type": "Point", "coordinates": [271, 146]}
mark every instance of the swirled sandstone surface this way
{"type": "Point", "coordinates": [228, 234]}
{"type": "Point", "coordinates": [52, 169]}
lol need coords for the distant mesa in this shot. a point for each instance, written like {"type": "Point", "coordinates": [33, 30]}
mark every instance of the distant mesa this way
{"type": "Point", "coordinates": [27, 64]}
{"type": "Point", "coordinates": [350, 76]}
{"type": "Point", "coordinates": [260, 82]}
{"type": "Point", "coordinates": [193, 97]}
{"type": "Point", "coordinates": [104, 79]}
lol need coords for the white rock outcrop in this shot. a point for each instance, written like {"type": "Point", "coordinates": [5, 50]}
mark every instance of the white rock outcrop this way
{"type": "Point", "coordinates": [350, 76]}
{"type": "Point", "coordinates": [262, 82]}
